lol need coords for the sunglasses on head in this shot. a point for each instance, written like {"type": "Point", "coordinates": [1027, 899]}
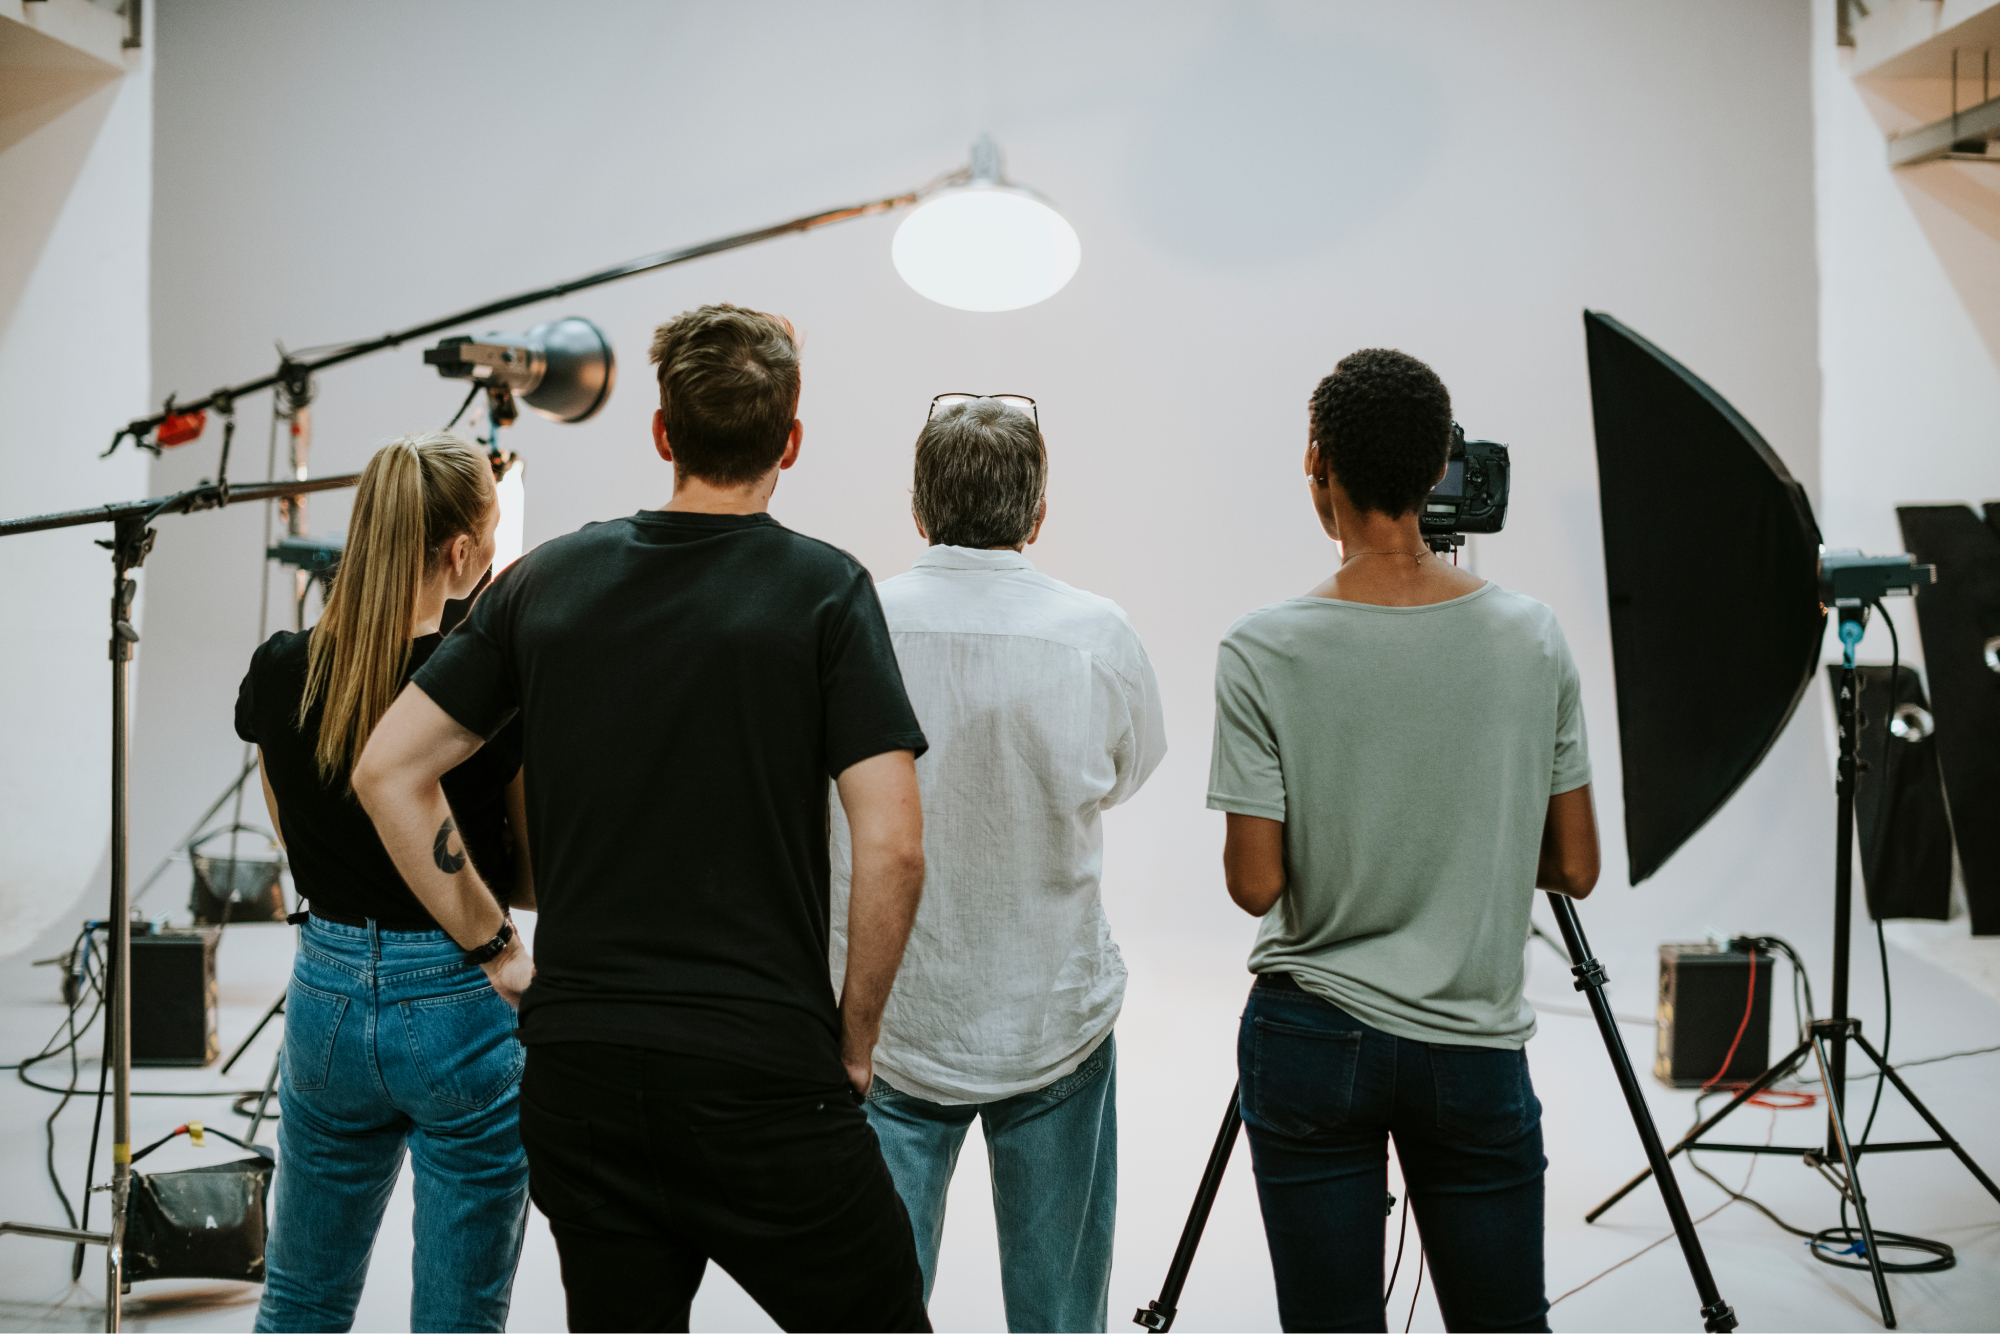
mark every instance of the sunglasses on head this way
{"type": "Point", "coordinates": [1019, 402]}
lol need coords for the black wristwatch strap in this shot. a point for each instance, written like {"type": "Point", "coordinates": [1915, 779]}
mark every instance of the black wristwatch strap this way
{"type": "Point", "coordinates": [491, 949]}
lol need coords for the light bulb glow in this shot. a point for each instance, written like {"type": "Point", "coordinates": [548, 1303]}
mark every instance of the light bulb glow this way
{"type": "Point", "coordinates": [986, 247]}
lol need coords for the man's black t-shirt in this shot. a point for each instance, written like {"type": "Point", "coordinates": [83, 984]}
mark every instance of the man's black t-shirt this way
{"type": "Point", "coordinates": [338, 861]}
{"type": "Point", "coordinates": [686, 683]}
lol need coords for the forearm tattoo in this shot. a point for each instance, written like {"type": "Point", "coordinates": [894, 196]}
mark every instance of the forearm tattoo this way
{"type": "Point", "coordinates": [451, 863]}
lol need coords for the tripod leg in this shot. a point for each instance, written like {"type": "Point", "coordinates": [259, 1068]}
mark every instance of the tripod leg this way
{"type": "Point", "coordinates": [1771, 1076]}
{"type": "Point", "coordinates": [1590, 979]}
{"type": "Point", "coordinates": [270, 1083]}
{"type": "Point", "coordinates": [1837, 1130]}
{"type": "Point", "coordinates": [1937, 1126]}
{"type": "Point", "coordinates": [1158, 1315]}
{"type": "Point", "coordinates": [277, 1008]}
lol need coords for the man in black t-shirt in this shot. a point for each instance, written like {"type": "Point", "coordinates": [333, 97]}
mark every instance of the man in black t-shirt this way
{"type": "Point", "coordinates": [686, 680]}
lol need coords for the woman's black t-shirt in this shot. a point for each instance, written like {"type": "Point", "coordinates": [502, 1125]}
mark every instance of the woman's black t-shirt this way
{"type": "Point", "coordinates": [338, 861]}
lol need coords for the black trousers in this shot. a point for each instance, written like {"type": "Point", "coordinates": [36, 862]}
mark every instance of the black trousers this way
{"type": "Point", "coordinates": [650, 1164]}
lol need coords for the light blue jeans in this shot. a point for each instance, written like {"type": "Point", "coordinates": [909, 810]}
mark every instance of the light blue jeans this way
{"type": "Point", "coordinates": [391, 1040]}
{"type": "Point", "coordinates": [1053, 1153]}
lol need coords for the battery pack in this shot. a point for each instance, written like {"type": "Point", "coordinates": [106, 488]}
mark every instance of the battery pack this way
{"type": "Point", "coordinates": [1703, 992]}
{"type": "Point", "coordinates": [173, 997]}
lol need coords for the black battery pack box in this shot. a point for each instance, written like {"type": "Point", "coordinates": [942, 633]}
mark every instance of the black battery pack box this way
{"type": "Point", "coordinates": [174, 997]}
{"type": "Point", "coordinates": [1704, 990]}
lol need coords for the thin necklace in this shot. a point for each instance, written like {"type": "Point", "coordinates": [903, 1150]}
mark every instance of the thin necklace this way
{"type": "Point", "coordinates": [1413, 555]}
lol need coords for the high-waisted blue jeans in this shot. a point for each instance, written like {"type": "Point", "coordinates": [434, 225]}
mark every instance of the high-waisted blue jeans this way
{"type": "Point", "coordinates": [1322, 1094]}
{"type": "Point", "coordinates": [392, 1040]}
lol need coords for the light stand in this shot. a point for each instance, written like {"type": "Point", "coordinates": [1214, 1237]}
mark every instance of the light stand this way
{"type": "Point", "coordinates": [1158, 1315]}
{"type": "Point", "coordinates": [1838, 1159]}
{"type": "Point", "coordinates": [131, 541]}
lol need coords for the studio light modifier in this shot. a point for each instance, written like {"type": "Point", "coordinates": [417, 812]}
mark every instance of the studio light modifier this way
{"type": "Point", "coordinates": [563, 369]}
{"type": "Point", "coordinates": [986, 244]}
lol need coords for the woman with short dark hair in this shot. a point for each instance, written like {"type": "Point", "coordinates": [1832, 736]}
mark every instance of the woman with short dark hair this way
{"type": "Point", "coordinates": [1401, 755]}
{"type": "Point", "coordinates": [392, 1038]}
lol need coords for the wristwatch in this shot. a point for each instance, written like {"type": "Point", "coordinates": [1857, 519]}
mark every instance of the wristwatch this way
{"type": "Point", "coordinates": [491, 950]}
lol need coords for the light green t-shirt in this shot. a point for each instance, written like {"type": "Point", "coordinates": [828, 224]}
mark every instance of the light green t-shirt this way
{"type": "Point", "coordinates": [1411, 753]}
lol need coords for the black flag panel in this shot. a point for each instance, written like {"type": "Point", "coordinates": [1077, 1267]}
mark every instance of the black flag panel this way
{"type": "Point", "coordinates": [1958, 617]}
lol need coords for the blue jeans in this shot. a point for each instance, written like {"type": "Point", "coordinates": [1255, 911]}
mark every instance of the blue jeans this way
{"type": "Point", "coordinates": [1322, 1092]}
{"type": "Point", "coordinates": [391, 1039]}
{"type": "Point", "coordinates": [1054, 1158]}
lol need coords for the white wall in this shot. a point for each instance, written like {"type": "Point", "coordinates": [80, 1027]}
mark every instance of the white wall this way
{"type": "Point", "coordinates": [1909, 327]}
{"type": "Point", "coordinates": [75, 213]}
{"type": "Point", "coordinates": [1909, 313]}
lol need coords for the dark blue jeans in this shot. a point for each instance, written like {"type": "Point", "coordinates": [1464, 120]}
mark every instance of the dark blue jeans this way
{"type": "Point", "coordinates": [1322, 1093]}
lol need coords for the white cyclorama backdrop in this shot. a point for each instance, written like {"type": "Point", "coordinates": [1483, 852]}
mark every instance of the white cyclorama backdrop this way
{"type": "Point", "coordinates": [75, 216]}
{"type": "Point", "coordinates": [1259, 189]}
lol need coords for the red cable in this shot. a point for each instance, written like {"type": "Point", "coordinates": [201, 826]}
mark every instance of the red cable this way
{"type": "Point", "coordinates": [1749, 1004]}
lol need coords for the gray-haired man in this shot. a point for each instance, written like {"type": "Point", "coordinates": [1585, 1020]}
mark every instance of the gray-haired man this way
{"type": "Point", "coordinates": [1041, 710]}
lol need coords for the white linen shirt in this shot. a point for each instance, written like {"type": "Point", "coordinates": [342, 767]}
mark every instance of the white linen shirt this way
{"type": "Point", "coordinates": [1041, 710]}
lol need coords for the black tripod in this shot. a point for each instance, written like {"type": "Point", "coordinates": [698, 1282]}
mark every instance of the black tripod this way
{"type": "Point", "coordinates": [1590, 979]}
{"type": "Point", "coordinates": [1826, 1039]}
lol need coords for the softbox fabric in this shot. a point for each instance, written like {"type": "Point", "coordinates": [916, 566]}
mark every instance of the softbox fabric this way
{"type": "Point", "coordinates": [1955, 617]}
{"type": "Point", "coordinates": [207, 1222]}
{"type": "Point", "coordinates": [1708, 540]}
{"type": "Point", "coordinates": [1898, 802]}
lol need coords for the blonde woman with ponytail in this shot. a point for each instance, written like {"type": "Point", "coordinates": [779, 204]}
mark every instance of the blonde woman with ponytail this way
{"type": "Point", "coordinates": [393, 1041]}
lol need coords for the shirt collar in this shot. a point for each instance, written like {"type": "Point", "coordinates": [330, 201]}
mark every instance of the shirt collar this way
{"type": "Point", "coordinates": [971, 558]}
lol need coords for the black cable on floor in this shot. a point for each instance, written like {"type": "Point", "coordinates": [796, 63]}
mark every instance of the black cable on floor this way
{"type": "Point", "coordinates": [1741, 1198]}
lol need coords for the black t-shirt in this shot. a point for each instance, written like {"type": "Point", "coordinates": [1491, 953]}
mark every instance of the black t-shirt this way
{"type": "Point", "coordinates": [338, 861]}
{"type": "Point", "coordinates": [687, 683]}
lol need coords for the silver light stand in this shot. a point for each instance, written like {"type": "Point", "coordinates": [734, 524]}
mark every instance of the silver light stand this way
{"type": "Point", "coordinates": [132, 539]}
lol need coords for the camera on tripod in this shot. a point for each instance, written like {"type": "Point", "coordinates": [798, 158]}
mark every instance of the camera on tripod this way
{"type": "Point", "coordinates": [1472, 498]}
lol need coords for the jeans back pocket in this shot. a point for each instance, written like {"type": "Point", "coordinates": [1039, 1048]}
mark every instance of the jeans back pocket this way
{"type": "Point", "coordinates": [312, 1022]}
{"type": "Point", "coordinates": [1484, 1096]}
{"type": "Point", "coordinates": [1299, 1079]}
{"type": "Point", "coordinates": [463, 1045]}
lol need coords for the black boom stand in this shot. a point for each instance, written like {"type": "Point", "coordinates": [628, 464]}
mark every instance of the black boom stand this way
{"type": "Point", "coordinates": [1591, 978]}
{"type": "Point", "coordinates": [1838, 1159]}
{"type": "Point", "coordinates": [132, 539]}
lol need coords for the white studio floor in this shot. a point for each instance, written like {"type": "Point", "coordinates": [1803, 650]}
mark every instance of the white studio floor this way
{"type": "Point", "coordinates": [1176, 1052]}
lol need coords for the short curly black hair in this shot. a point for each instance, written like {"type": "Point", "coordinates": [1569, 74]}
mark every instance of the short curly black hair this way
{"type": "Point", "coordinates": [1383, 423]}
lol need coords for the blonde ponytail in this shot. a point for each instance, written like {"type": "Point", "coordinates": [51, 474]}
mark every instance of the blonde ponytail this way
{"type": "Point", "coordinates": [416, 495]}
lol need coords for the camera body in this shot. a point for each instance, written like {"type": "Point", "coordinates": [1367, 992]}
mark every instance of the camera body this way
{"type": "Point", "coordinates": [1472, 498]}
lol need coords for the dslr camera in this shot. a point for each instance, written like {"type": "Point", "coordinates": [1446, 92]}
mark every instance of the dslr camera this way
{"type": "Point", "coordinates": [1472, 498]}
